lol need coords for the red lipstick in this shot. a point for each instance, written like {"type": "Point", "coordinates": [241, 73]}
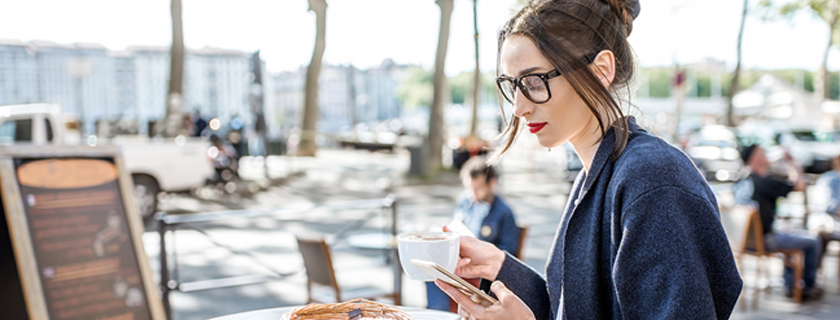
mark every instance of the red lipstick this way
{"type": "Point", "coordinates": [536, 127]}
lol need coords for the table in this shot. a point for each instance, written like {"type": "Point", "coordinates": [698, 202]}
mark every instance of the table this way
{"type": "Point", "coordinates": [276, 313]}
{"type": "Point", "coordinates": [382, 241]}
{"type": "Point", "coordinates": [373, 241]}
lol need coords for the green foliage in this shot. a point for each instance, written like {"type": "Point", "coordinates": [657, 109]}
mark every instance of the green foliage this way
{"type": "Point", "coordinates": [827, 10]}
{"type": "Point", "coordinates": [703, 85]}
{"type": "Point", "coordinates": [460, 86]}
{"type": "Point", "coordinates": [700, 83]}
{"type": "Point", "coordinates": [796, 76]}
{"type": "Point", "coordinates": [488, 84]}
{"type": "Point", "coordinates": [660, 82]}
{"type": "Point", "coordinates": [415, 89]}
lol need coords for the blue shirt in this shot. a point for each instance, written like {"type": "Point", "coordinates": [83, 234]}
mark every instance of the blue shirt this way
{"type": "Point", "coordinates": [471, 212]}
{"type": "Point", "coordinates": [496, 225]}
{"type": "Point", "coordinates": [833, 178]}
{"type": "Point", "coordinates": [643, 240]}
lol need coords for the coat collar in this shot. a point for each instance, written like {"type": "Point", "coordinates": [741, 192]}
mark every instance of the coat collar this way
{"type": "Point", "coordinates": [602, 156]}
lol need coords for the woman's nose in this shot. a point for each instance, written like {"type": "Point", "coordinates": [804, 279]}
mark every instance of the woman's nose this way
{"type": "Point", "coordinates": [521, 105]}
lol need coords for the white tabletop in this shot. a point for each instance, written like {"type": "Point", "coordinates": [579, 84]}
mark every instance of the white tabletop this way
{"type": "Point", "coordinates": [376, 241]}
{"type": "Point", "coordinates": [276, 313]}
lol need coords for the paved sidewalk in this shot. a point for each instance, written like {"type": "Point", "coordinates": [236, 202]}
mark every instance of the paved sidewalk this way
{"type": "Point", "coordinates": [531, 183]}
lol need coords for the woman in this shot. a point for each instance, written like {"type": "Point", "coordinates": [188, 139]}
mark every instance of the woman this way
{"type": "Point", "coordinates": [641, 236]}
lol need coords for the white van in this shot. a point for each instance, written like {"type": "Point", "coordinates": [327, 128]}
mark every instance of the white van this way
{"type": "Point", "coordinates": [156, 165]}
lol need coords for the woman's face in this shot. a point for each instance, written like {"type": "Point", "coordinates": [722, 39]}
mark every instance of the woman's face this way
{"type": "Point", "coordinates": [565, 116]}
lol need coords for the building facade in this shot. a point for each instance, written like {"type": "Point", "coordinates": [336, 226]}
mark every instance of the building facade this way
{"type": "Point", "coordinates": [94, 83]}
{"type": "Point", "coordinates": [347, 96]}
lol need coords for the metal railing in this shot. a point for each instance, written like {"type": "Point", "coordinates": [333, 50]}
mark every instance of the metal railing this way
{"type": "Point", "coordinates": [169, 275]}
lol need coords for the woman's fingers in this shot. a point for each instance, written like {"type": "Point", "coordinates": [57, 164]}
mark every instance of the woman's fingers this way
{"type": "Point", "coordinates": [463, 262]}
{"type": "Point", "coordinates": [463, 313]}
{"type": "Point", "coordinates": [464, 301]}
{"type": "Point", "coordinates": [510, 303]}
{"type": "Point", "coordinates": [499, 289]}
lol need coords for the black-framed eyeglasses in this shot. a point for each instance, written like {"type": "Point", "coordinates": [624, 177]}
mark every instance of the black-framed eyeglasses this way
{"type": "Point", "coordinates": [533, 85]}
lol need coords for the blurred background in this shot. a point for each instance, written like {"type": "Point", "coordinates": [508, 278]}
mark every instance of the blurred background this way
{"type": "Point", "coordinates": [254, 104]}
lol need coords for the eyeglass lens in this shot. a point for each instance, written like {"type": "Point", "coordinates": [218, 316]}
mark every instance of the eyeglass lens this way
{"type": "Point", "coordinates": [534, 89]}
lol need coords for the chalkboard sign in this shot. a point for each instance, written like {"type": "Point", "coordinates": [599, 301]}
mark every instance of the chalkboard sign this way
{"type": "Point", "coordinates": [75, 231]}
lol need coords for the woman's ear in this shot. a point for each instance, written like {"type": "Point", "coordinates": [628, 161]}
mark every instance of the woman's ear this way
{"type": "Point", "coordinates": [604, 67]}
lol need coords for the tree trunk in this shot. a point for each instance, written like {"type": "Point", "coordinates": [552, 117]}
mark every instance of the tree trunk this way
{"type": "Point", "coordinates": [823, 89]}
{"type": "Point", "coordinates": [307, 145]}
{"type": "Point", "coordinates": [256, 98]}
{"type": "Point", "coordinates": [736, 77]}
{"type": "Point", "coordinates": [436, 125]}
{"type": "Point", "coordinates": [351, 102]}
{"type": "Point", "coordinates": [173, 121]}
{"type": "Point", "coordinates": [477, 75]}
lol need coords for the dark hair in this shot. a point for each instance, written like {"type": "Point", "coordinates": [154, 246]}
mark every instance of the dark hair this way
{"type": "Point", "coordinates": [478, 166]}
{"type": "Point", "coordinates": [747, 152]}
{"type": "Point", "coordinates": [567, 30]}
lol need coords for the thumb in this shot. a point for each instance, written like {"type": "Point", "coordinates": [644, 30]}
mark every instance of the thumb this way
{"type": "Point", "coordinates": [500, 290]}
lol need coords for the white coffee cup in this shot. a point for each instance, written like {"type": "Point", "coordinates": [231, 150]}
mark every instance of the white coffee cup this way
{"type": "Point", "coordinates": [442, 248]}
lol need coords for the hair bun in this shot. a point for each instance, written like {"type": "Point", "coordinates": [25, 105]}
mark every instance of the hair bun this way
{"type": "Point", "coordinates": [626, 10]}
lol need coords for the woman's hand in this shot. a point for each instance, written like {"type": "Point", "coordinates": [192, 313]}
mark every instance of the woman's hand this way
{"type": "Point", "coordinates": [509, 305]}
{"type": "Point", "coordinates": [479, 259]}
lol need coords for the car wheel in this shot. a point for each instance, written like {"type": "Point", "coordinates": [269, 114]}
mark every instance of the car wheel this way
{"type": "Point", "coordinates": [146, 190]}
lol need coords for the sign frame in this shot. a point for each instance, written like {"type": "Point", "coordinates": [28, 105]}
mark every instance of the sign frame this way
{"type": "Point", "coordinates": [21, 240]}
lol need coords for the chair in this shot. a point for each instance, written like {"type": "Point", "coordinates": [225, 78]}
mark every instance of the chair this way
{"type": "Point", "coordinates": [827, 239]}
{"type": "Point", "coordinates": [523, 233]}
{"type": "Point", "coordinates": [752, 243]}
{"type": "Point", "coordinates": [317, 260]}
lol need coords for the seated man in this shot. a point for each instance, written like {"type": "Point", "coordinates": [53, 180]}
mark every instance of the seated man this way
{"type": "Point", "coordinates": [484, 213]}
{"type": "Point", "coordinates": [766, 189]}
{"type": "Point", "coordinates": [833, 180]}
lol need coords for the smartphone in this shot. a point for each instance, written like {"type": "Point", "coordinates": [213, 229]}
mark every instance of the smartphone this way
{"type": "Point", "coordinates": [435, 270]}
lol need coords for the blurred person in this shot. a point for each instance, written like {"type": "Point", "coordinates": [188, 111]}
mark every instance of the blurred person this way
{"type": "Point", "coordinates": [226, 161]}
{"type": "Point", "coordinates": [471, 146]}
{"type": "Point", "coordinates": [199, 124]}
{"type": "Point", "coordinates": [766, 190]}
{"type": "Point", "coordinates": [235, 136]}
{"type": "Point", "coordinates": [641, 236]}
{"type": "Point", "coordinates": [484, 213]}
{"type": "Point", "coordinates": [833, 209]}
{"type": "Point", "coordinates": [187, 125]}
{"type": "Point", "coordinates": [833, 179]}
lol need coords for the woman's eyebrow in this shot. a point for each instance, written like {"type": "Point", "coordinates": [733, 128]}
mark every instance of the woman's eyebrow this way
{"type": "Point", "coordinates": [529, 70]}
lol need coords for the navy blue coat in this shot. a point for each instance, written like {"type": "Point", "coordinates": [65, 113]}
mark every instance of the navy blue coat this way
{"type": "Point", "coordinates": [642, 241]}
{"type": "Point", "coordinates": [502, 225]}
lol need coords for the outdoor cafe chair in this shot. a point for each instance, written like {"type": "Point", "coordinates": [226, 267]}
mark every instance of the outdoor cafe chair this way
{"type": "Point", "coordinates": [829, 239]}
{"type": "Point", "coordinates": [523, 233]}
{"type": "Point", "coordinates": [318, 262]}
{"type": "Point", "coordinates": [751, 242]}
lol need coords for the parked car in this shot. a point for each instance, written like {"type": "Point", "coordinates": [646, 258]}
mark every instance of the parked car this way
{"type": "Point", "coordinates": [813, 149]}
{"type": "Point", "coordinates": [156, 165]}
{"type": "Point", "coordinates": [715, 151]}
{"type": "Point", "coordinates": [811, 146]}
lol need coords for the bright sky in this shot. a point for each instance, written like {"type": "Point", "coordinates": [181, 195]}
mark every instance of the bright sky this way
{"type": "Point", "coordinates": [364, 32]}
